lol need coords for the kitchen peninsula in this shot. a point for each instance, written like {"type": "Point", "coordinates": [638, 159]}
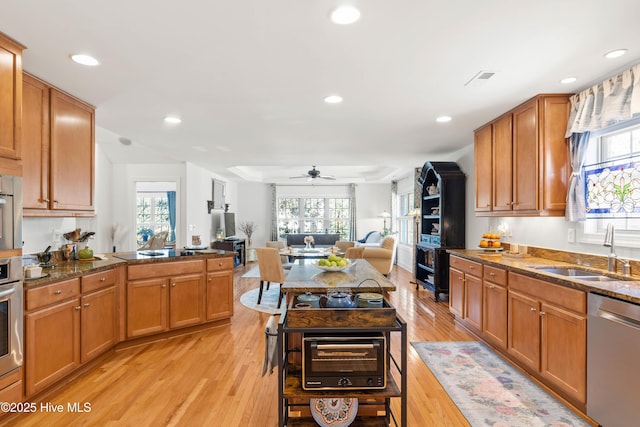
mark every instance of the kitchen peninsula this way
{"type": "Point", "coordinates": [79, 310]}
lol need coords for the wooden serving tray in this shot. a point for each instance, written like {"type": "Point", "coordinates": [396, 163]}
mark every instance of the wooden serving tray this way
{"type": "Point", "coordinates": [340, 317]}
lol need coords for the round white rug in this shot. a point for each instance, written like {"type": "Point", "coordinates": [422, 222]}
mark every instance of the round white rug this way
{"type": "Point", "coordinates": [269, 303]}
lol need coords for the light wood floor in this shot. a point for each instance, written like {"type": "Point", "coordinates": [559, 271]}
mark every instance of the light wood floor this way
{"type": "Point", "coordinates": [212, 377]}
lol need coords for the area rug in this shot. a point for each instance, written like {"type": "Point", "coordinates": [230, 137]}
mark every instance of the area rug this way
{"type": "Point", "coordinates": [490, 392]}
{"type": "Point", "coordinates": [253, 273]}
{"type": "Point", "coordinates": [269, 303]}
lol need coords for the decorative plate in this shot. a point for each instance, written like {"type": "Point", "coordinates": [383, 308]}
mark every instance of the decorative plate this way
{"type": "Point", "coordinates": [334, 411]}
{"type": "Point", "coordinates": [500, 249]}
{"type": "Point", "coordinates": [336, 268]}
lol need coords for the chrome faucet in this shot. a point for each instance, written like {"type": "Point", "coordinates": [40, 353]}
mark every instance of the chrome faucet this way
{"type": "Point", "coordinates": [609, 242]}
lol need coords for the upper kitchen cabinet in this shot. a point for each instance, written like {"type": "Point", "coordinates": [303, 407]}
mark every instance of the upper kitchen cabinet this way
{"type": "Point", "coordinates": [10, 105]}
{"type": "Point", "coordinates": [528, 169]}
{"type": "Point", "coordinates": [58, 138]}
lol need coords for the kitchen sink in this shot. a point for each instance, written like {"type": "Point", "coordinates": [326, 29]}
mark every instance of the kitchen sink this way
{"type": "Point", "coordinates": [578, 274]}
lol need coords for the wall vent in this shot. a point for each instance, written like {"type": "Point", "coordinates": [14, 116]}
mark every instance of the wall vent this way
{"type": "Point", "coordinates": [480, 78]}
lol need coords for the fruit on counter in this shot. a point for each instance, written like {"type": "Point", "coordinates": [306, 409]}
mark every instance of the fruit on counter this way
{"type": "Point", "coordinates": [496, 244]}
{"type": "Point", "coordinates": [484, 243]}
{"type": "Point", "coordinates": [333, 261]}
{"type": "Point", "coordinates": [85, 253]}
{"type": "Point", "coordinates": [490, 236]}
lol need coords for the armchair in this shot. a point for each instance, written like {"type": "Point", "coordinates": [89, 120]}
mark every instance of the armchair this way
{"type": "Point", "coordinates": [382, 258]}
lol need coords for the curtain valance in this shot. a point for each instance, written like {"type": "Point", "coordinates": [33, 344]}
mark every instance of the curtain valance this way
{"type": "Point", "coordinates": [602, 105]}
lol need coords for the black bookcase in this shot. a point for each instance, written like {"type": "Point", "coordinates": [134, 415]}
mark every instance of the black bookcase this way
{"type": "Point", "coordinates": [441, 225]}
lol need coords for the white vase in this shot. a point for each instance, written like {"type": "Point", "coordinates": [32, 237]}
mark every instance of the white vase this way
{"type": "Point", "coordinates": [307, 245]}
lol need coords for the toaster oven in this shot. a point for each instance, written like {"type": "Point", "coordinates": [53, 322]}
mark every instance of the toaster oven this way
{"type": "Point", "coordinates": [338, 362]}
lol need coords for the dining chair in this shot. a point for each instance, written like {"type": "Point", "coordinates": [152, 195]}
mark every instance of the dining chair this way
{"type": "Point", "coordinates": [271, 270]}
{"type": "Point", "coordinates": [286, 264]}
{"type": "Point", "coordinates": [354, 253]}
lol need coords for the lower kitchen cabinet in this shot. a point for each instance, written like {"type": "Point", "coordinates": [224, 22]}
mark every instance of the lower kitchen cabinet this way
{"type": "Point", "coordinates": [99, 322]}
{"type": "Point", "coordinates": [52, 343]}
{"type": "Point", "coordinates": [494, 306]}
{"type": "Point", "coordinates": [164, 296]}
{"type": "Point", "coordinates": [548, 333]}
{"type": "Point", "coordinates": [219, 288]}
{"type": "Point", "coordinates": [465, 291]}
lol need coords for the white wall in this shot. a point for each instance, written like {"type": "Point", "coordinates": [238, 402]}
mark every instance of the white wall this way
{"type": "Point", "coordinates": [371, 201]}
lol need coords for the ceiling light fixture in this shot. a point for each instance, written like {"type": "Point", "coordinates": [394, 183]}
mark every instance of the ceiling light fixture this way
{"type": "Point", "coordinates": [172, 120]}
{"type": "Point", "coordinates": [568, 80]}
{"type": "Point", "coordinates": [83, 59]}
{"type": "Point", "coordinates": [443, 119]}
{"type": "Point", "coordinates": [345, 15]}
{"type": "Point", "coordinates": [615, 53]}
{"type": "Point", "coordinates": [333, 99]}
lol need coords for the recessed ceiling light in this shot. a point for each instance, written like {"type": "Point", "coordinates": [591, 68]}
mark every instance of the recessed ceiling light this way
{"type": "Point", "coordinates": [568, 80]}
{"type": "Point", "coordinates": [333, 99]}
{"type": "Point", "coordinates": [173, 120]}
{"type": "Point", "coordinates": [345, 15]}
{"type": "Point", "coordinates": [443, 119]}
{"type": "Point", "coordinates": [615, 53]}
{"type": "Point", "coordinates": [85, 59]}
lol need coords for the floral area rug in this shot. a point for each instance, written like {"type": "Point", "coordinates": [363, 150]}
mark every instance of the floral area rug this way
{"type": "Point", "coordinates": [488, 390]}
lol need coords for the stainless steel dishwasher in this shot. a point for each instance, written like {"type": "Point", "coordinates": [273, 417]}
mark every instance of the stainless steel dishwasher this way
{"type": "Point", "coordinates": [613, 361]}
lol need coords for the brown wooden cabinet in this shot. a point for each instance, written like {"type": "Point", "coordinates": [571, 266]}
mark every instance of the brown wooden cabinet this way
{"type": "Point", "coordinates": [10, 103]}
{"type": "Point", "coordinates": [99, 314]}
{"type": "Point", "coordinates": [494, 306]}
{"type": "Point", "coordinates": [484, 168]}
{"type": "Point", "coordinates": [219, 288]}
{"type": "Point", "coordinates": [548, 333]}
{"type": "Point", "coordinates": [163, 296]}
{"type": "Point", "coordinates": [52, 333]}
{"type": "Point", "coordinates": [530, 159]}
{"type": "Point", "coordinates": [59, 138]}
{"type": "Point", "coordinates": [465, 297]}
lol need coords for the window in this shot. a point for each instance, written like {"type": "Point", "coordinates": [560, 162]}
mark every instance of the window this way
{"type": "Point", "coordinates": [405, 222]}
{"type": "Point", "coordinates": [152, 215]}
{"type": "Point", "coordinates": [613, 189]}
{"type": "Point", "coordinates": [314, 215]}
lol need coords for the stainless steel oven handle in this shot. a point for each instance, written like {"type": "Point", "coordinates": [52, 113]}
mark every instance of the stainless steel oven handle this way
{"type": "Point", "coordinates": [342, 346]}
{"type": "Point", "coordinates": [7, 293]}
{"type": "Point", "coordinates": [632, 323]}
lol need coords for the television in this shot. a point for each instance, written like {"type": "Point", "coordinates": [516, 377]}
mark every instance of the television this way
{"type": "Point", "coordinates": [229, 225]}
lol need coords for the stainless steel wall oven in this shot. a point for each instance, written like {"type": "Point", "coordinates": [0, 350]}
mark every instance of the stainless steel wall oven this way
{"type": "Point", "coordinates": [11, 311]}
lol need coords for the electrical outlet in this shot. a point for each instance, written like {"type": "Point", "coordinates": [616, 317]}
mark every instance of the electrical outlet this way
{"type": "Point", "coordinates": [571, 235]}
{"type": "Point", "coordinates": [56, 235]}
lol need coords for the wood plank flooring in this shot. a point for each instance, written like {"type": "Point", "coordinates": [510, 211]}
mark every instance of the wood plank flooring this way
{"type": "Point", "coordinates": [213, 377]}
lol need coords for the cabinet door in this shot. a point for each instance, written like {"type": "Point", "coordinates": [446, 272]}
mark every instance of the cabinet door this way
{"type": "Point", "coordinates": [98, 323]}
{"type": "Point", "coordinates": [524, 329]}
{"type": "Point", "coordinates": [35, 143]}
{"type": "Point", "coordinates": [473, 301]}
{"type": "Point", "coordinates": [10, 98]}
{"type": "Point", "coordinates": [186, 301]}
{"type": "Point", "coordinates": [219, 295]}
{"type": "Point", "coordinates": [502, 164]}
{"type": "Point", "coordinates": [494, 314]}
{"type": "Point", "coordinates": [483, 168]}
{"type": "Point", "coordinates": [525, 157]}
{"type": "Point", "coordinates": [72, 153]}
{"type": "Point", "coordinates": [564, 350]}
{"type": "Point", "coordinates": [147, 307]}
{"type": "Point", "coordinates": [555, 167]}
{"type": "Point", "coordinates": [456, 292]}
{"type": "Point", "coordinates": [52, 344]}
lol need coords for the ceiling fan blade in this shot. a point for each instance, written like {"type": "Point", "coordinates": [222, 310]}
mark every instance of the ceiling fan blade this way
{"type": "Point", "coordinates": [327, 177]}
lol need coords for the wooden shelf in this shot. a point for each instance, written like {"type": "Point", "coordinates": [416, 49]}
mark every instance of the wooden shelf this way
{"type": "Point", "coordinates": [358, 422]}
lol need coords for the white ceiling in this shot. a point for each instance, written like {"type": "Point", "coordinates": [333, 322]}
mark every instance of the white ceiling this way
{"type": "Point", "coordinates": [248, 77]}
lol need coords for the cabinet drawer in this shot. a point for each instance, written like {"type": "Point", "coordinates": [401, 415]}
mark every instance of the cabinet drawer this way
{"type": "Point", "coordinates": [469, 267]}
{"type": "Point", "coordinates": [219, 264]}
{"type": "Point", "coordinates": [49, 294]}
{"type": "Point", "coordinates": [98, 280]}
{"type": "Point", "coordinates": [495, 275]}
{"type": "Point", "coordinates": [163, 269]}
{"type": "Point", "coordinates": [572, 299]}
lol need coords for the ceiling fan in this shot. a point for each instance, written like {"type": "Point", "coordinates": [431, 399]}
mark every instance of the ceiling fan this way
{"type": "Point", "coordinates": [313, 174]}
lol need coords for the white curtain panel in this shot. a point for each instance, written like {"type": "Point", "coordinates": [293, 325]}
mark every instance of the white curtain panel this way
{"type": "Point", "coordinates": [614, 100]}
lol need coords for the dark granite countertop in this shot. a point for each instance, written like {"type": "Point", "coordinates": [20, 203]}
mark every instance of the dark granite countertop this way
{"type": "Point", "coordinates": [63, 270]}
{"type": "Point", "coordinates": [626, 287]}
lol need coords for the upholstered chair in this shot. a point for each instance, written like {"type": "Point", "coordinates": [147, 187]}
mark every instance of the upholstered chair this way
{"type": "Point", "coordinates": [271, 270]}
{"type": "Point", "coordinates": [354, 253]}
{"type": "Point", "coordinates": [382, 258]}
{"type": "Point", "coordinates": [344, 245]}
{"type": "Point", "coordinates": [280, 246]}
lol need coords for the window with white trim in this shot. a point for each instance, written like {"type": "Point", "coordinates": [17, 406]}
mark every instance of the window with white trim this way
{"type": "Point", "coordinates": [314, 215]}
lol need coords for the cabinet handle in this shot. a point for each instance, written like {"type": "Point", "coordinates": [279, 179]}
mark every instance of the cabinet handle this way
{"type": "Point", "coordinates": [55, 201]}
{"type": "Point", "coordinates": [46, 200]}
{"type": "Point", "coordinates": [487, 205]}
{"type": "Point", "coordinates": [491, 286]}
{"type": "Point", "coordinates": [58, 292]}
{"type": "Point", "coordinates": [164, 286]}
{"type": "Point", "coordinates": [173, 285]}
{"type": "Point", "coordinates": [102, 279]}
{"type": "Point", "coordinates": [532, 309]}
{"type": "Point", "coordinates": [492, 274]}
{"type": "Point", "coordinates": [220, 264]}
{"type": "Point", "coordinates": [86, 304]}
{"type": "Point", "coordinates": [542, 313]}
{"type": "Point", "coordinates": [78, 308]}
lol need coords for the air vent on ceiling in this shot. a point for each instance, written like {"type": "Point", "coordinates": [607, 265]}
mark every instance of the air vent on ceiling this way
{"type": "Point", "coordinates": [480, 78]}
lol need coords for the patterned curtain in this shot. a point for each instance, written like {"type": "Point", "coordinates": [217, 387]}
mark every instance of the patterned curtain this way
{"type": "Point", "coordinates": [352, 212]}
{"type": "Point", "coordinates": [576, 208]}
{"type": "Point", "coordinates": [274, 213]}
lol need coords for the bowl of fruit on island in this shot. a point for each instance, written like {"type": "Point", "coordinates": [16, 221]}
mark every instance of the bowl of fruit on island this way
{"type": "Point", "coordinates": [333, 263]}
{"type": "Point", "coordinates": [490, 241]}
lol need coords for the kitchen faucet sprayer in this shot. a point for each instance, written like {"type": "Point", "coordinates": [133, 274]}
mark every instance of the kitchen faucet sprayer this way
{"type": "Point", "coordinates": [609, 242]}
